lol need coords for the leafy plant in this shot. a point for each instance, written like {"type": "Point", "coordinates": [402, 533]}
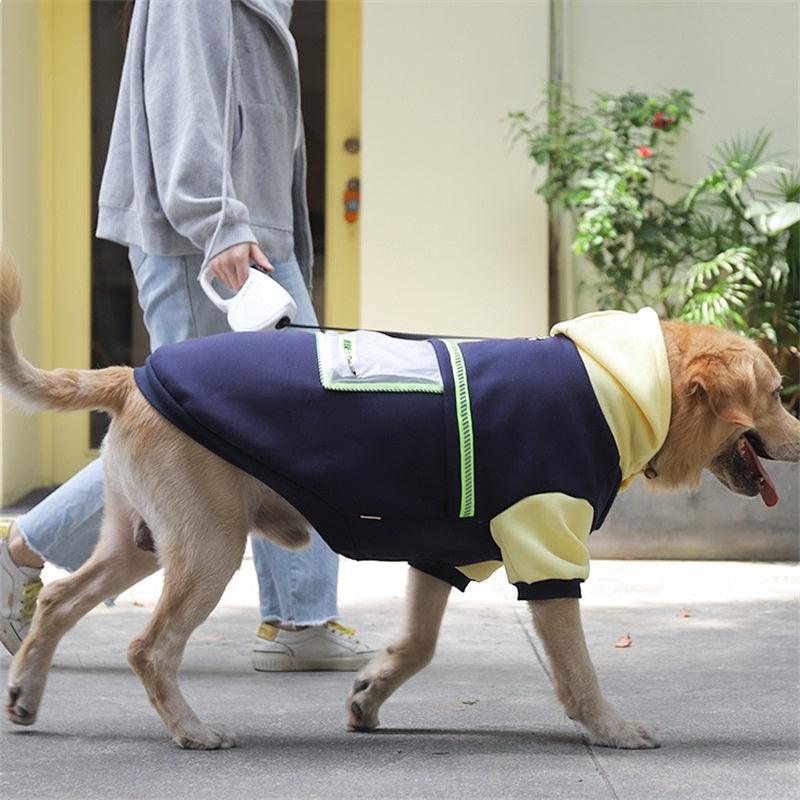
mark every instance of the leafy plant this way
{"type": "Point", "coordinates": [724, 251]}
{"type": "Point", "coordinates": [752, 283]}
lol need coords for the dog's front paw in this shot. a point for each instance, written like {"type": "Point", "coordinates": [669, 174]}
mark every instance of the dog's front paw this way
{"type": "Point", "coordinates": [624, 734]}
{"type": "Point", "coordinates": [20, 709]}
{"type": "Point", "coordinates": [362, 706]}
{"type": "Point", "coordinates": [209, 736]}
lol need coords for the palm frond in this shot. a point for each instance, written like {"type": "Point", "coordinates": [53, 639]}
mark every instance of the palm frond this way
{"type": "Point", "coordinates": [735, 262]}
{"type": "Point", "coordinates": [786, 186]}
{"type": "Point", "coordinates": [742, 153]}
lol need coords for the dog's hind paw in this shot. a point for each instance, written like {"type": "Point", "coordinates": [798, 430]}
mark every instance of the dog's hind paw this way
{"type": "Point", "coordinates": [625, 735]}
{"type": "Point", "coordinates": [210, 736]}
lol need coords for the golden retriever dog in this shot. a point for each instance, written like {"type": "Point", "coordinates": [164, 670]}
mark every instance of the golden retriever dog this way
{"type": "Point", "coordinates": [199, 509]}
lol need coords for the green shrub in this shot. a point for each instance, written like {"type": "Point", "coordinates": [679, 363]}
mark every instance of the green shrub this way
{"type": "Point", "coordinates": [725, 251]}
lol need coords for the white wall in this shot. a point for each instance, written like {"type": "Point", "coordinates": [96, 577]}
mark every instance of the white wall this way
{"type": "Point", "coordinates": [453, 234]}
{"type": "Point", "coordinates": [740, 58]}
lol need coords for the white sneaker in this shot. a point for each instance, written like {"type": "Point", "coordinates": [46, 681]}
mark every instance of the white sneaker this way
{"type": "Point", "coordinates": [19, 588]}
{"type": "Point", "coordinates": [317, 647]}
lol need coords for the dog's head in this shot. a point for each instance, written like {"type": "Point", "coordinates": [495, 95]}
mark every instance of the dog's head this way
{"type": "Point", "coordinates": [727, 413]}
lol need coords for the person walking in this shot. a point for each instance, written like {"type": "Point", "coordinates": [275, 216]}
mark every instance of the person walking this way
{"type": "Point", "coordinates": [206, 165]}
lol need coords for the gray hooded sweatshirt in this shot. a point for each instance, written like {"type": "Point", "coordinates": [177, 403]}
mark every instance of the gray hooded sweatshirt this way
{"type": "Point", "coordinates": [207, 147]}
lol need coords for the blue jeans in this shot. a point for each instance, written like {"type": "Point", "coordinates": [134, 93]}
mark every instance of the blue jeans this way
{"type": "Point", "coordinates": [295, 586]}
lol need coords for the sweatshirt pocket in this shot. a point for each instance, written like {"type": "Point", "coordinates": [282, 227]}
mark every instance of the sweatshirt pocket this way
{"type": "Point", "coordinates": [365, 361]}
{"type": "Point", "coordinates": [262, 164]}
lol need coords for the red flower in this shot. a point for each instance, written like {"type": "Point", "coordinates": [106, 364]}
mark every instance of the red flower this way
{"type": "Point", "coordinates": [644, 152]}
{"type": "Point", "coordinates": [660, 121]}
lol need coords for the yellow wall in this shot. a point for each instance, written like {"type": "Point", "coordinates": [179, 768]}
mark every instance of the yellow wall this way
{"type": "Point", "coordinates": [453, 234]}
{"type": "Point", "coordinates": [21, 221]}
{"type": "Point", "coordinates": [45, 219]}
{"type": "Point", "coordinates": [67, 203]}
{"type": "Point", "coordinates": [343, 75]}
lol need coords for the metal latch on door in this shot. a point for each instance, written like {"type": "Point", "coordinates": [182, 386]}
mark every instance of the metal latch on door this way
{"type": "Point", "coordinates": [352, 199]}
{"type": "Point", "coordinates": [352, 192]}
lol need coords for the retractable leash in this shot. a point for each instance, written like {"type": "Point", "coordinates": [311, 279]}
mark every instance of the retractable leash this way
{"type": "Point", "coordinates": [263, 304]}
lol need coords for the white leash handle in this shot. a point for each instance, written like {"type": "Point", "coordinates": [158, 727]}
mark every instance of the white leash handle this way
{"type": "Point", "coordinates": [212, 294]}
{"type": "Point", "coordinates": [261, 304]}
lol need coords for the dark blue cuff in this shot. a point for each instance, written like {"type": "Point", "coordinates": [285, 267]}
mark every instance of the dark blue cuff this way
{"type": "Point", "coordinates": [549, 590]}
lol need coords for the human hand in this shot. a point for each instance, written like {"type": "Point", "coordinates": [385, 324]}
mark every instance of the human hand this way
{"type": "Point", "coordinates": [232, 266]}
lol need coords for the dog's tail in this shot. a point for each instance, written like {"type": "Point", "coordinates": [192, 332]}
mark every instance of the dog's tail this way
{"type": "Point", "coordinates": [60, 389]}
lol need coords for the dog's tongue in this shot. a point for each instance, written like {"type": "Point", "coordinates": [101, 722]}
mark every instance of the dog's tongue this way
{"type": "Point", "coordinates": [769, 494]}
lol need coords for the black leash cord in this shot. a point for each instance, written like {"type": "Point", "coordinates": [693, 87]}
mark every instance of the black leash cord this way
{"type": "Point", "coordinates": [284, 323]}
{"type": "Point", "coordinates": [395, 334]}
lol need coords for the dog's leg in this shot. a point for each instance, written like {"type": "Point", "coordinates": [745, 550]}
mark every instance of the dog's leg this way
{"type": "Point", "coordinates": [558, 623]}
{"type": "Point", "coordinates": [114, 566]}
{"type": "Point", "coordinates": [196, 572]}
{"type": "Point", "coordinates": [426, 599]}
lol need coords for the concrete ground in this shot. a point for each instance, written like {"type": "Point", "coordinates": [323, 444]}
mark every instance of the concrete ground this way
{"type": "Point", "coordinates": [713, 661]}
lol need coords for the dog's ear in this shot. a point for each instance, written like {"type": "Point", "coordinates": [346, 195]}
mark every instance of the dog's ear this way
{"type": "Point", "coordinates": [728, 384]}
